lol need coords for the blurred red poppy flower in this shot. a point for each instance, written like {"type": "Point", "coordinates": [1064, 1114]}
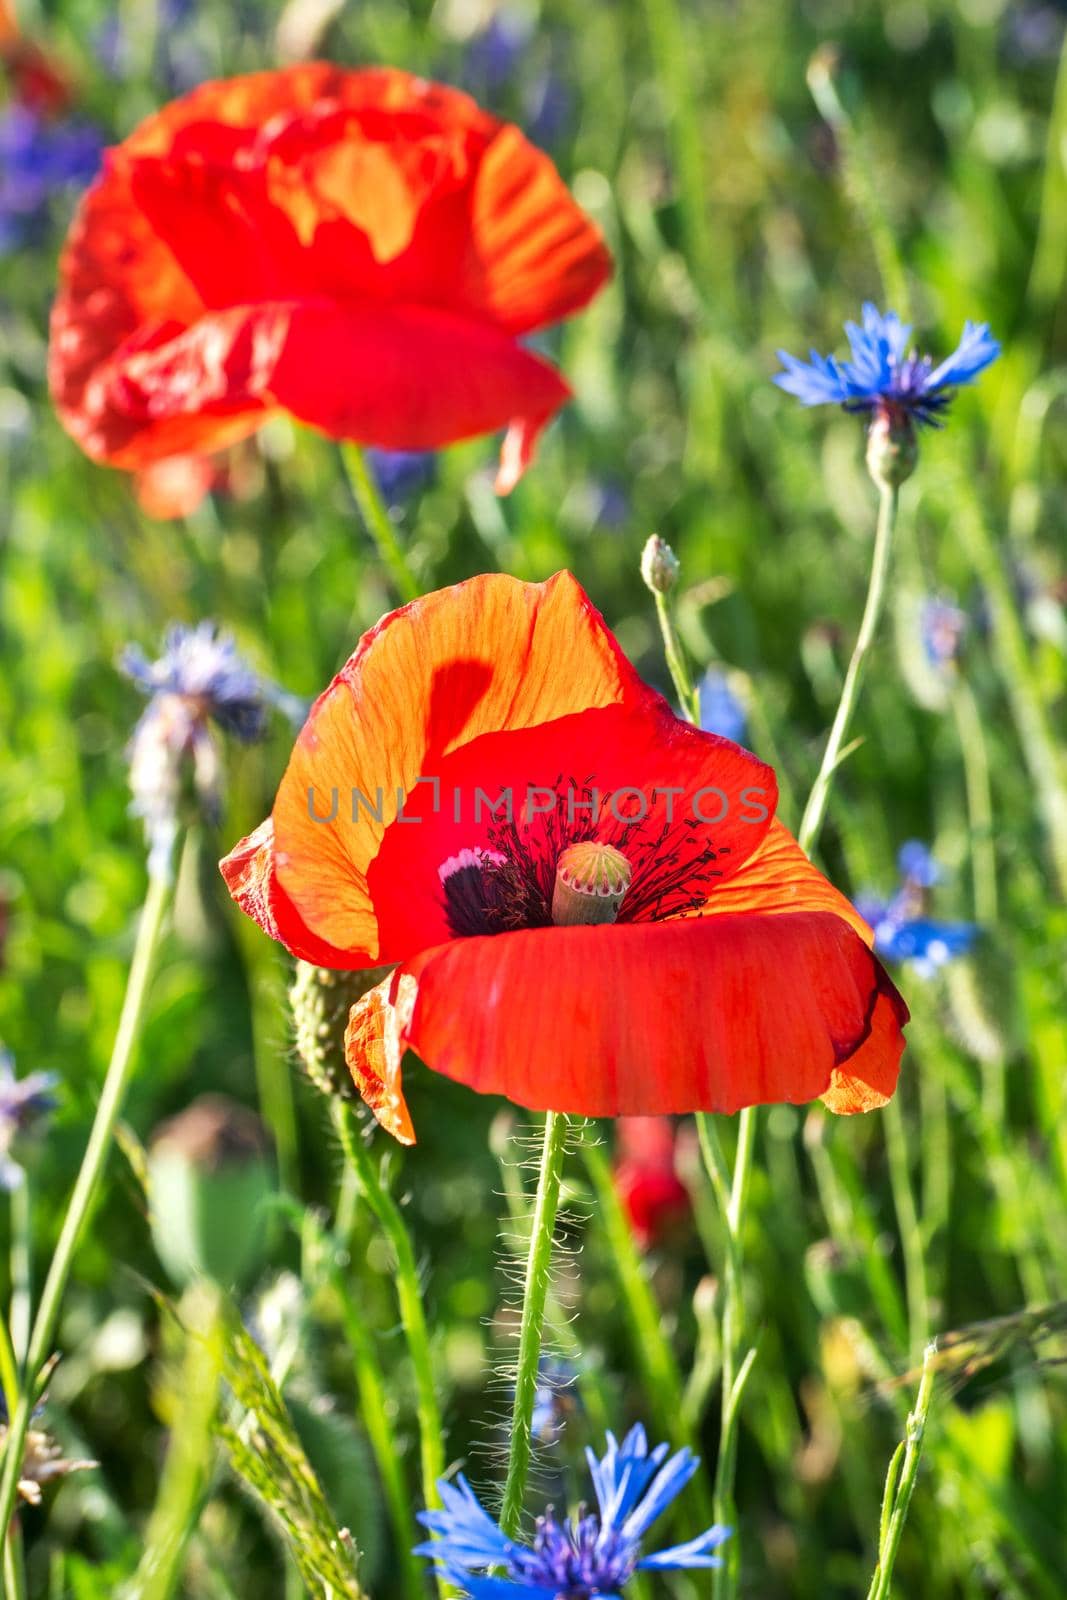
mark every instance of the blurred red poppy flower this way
{"type": "Point", "coordinates": [654, 1198]}
{"type": "Point", "coordinates": [37, 79]}
{"type": "Point", "coordinates": [363, 250]}
{"type": "Point", "coordinates": [732, 973]}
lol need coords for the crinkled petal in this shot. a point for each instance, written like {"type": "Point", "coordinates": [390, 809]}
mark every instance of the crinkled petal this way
{"type": "Point", "coordinates": [249, 875]}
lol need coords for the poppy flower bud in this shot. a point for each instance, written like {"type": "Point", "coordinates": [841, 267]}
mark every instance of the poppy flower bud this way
{"type": "Point", "coordinates": [208, 1176]}
{"type": "Point", "coordinates": [321, 1000]}
{"type": "Point", "coordinates": [892, 448]}
{"type": "Point", "coordinates": [659, 565]}
{"type": "Point", "coordinates": [591, 880]}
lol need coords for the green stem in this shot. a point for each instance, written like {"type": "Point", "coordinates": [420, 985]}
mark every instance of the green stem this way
{"type": "Point", "coordinates": [409, 1296]}
{"type": "Point", "coordinates": [732, 1191]}
{"type": "Point", "coordinates": [14, 1564]}
{"type": "Point", "coordinates": [589, 1379]}
{"type": "Point", "coordinates": [979, 801]}
{"type": "Point", "coordinates": [911, 1234]}
{"type": "Point", "coordinates": [815, 810]}
{"type": "Point", "coordinates": [374, 1413]}
{"type": "Point", "coordinates": [535, 1293]}
{"type": "Point", "coordinates": [900, 1483]}
{"type": "Point", "coordinates": [677, 665]}
{"type": "Point", "coordinates": [363, 492]}
{"type": "Point", "coordinates": [116, 1082]}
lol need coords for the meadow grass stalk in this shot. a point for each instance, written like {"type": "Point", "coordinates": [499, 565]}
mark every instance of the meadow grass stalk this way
{"type": "Point", "coordinates": [363, 492]}
{"type": "Point", "coordinates": [652, 1352]}
{"type": "Point", "coordinates": [975, 756]}
{"type": "Point", "coordinates": [900, 1482]}
{"type": "Point", "coordinates": [1042, 749]}
{"type": "Point", "coordinates": [409, 1295]}
{"type": "Point", "coordinates": [116, 1082]}
{"type": "Point", "coordinates": [731, 1186]}
{"type": "Point", "coordinates": [534, 1299]}
{"type": "Point", "coordinates": [711, 267]}
{"type": "Point", "coordinates": [373, 1407]}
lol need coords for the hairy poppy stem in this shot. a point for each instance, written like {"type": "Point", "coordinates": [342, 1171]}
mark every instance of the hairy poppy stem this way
{"type": "Point", "coordinates": [116, 1082]}
{"type": "Point", "coordinates": [409, 1296]}
{"type": "Point", "coordinates": [363, 492]}
{"type": "Point", "coordinates": [535, 1295]}
{"type": "Point", "coordinates": [815, 810]}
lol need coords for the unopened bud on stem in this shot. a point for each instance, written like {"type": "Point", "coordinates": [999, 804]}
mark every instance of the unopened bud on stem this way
{"type": "Point", "coordinates": [659, 565]}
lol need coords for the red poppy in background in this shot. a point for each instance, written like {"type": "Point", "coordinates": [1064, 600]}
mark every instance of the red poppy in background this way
{"type": "Point", "coordinates": [654, 1198]}
{"type": "Point", "coordinates": [363, 250]}
{"type": "Point", "coordinates": [37, 79]}
{"type": "Point", "coordinates": [733, 973]}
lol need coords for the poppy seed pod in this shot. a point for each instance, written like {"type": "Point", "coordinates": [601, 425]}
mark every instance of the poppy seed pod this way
{"type": "Point", "coordinates": [209, 1174]}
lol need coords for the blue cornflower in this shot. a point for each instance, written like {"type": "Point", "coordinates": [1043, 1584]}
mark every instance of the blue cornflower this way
{"type": "Point", "coordinates": [198, 680]}
{"type": "Point", "coordinates": [720, 710]}
{"type": "Point", "coordinates": [884, 375]}
{"type": "Point", "coordinates": [554, 1399]}
{"type": "Point", "coordinates": [941, 628]}
{"type": "Point", "coordinates": [39, 159]}
{"type": "Point", "coordinates": [588, 1554]}
{"type": "Point", "coordinates": [22, 1102]}
{"type": "Point", "coordinates": [401, 474]}
{"type": "Point", "coordinates": [902, 929]}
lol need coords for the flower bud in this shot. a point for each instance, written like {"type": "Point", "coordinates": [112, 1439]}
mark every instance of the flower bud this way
{"type": "Point", "coordinates": [659, 565]}
{"type": "Point", "coordinates": [591, 880]}
{"type": "Point", "coordinates": [892, 448]}
{"type": "Point", "coordinates": [208, 1176]}
{"type": "Point", "coordinates": [321, 1000]}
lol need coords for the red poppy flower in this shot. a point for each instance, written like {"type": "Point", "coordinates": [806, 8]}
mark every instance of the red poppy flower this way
{"type": "Point", "coordinates": [733, 973]}
{"type": "Point", "coordinates": [363, 250]}
{"type": "Point", "coordinates": [654, 1198]}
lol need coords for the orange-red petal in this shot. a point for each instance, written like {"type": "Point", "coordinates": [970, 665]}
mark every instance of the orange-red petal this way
{"type": "Point", "coordinates": [494, 682]}
{"type": "Point", "coordinates": [248, 872]}
{"type": "Point", "coordinates": [174, 486]}
{"type": "Point", "coordinates": [706, 1014]}
{"type": "Point", "coordinates": [374, 1052]}
{"type": "Point", "coordinates": [382, 238]}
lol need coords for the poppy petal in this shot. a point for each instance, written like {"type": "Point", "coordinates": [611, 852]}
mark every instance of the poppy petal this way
{"type": "Point", "coordinates": [175, 485]}
{"type": "Point", "coordinates": [248, 872]}
{"type": "Point", "coordinates": [532, 255]}
{"type": "Point", "coordinates": [348, 371]}
{"type": "Point", "coordinates": [490, 684]}
{"type": "Point", "coordinates": [778, 877]}
{"type": "Point", "coordinates": [706, 1014]}
{"type": "Point", "coordinates": [374, 1051]}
